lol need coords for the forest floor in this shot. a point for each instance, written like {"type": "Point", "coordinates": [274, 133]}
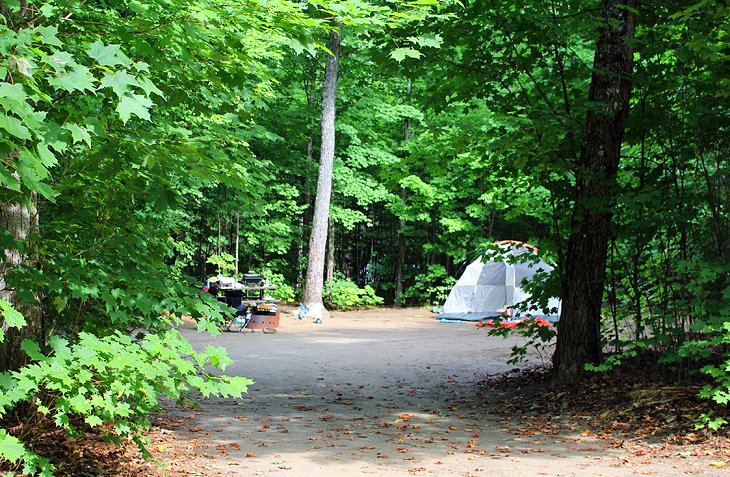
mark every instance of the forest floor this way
{"type": "Point", "coordinates": [389, 392]}
{"type": "Point", "coordinates": [396, 393]}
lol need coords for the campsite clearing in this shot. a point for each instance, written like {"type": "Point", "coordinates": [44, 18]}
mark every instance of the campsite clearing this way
{"type": "Point", "coordinates": [384, 393]}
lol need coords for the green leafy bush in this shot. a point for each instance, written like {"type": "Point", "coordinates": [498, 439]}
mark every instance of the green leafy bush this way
{"type": "Point", "coordinates": [284, 291]}
{"type": "Point", "coordinates": [225, 262]}
{"type": "Point", "coordinates": [431, 287]}
{"type": "Point", "coordinates": [344, 294]}
{"type": "Point", "coordinates": [539, 334]}
{"type": "Point", "coordinates": [115, 380]}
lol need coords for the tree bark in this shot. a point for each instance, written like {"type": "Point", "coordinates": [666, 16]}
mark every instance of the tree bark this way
{"type": "Point", "coordinates": [330, 251]}
{"type": "Point", "coordinates": [318, 238]}
{"type": "Point", "coordinates": [579, 331]}
{"type": "Point", "coordinates": [238, 229]}
{"type": "Point", "coordinates": [19, 221]}
{"type": "Point", "coordinates": [398, 298]}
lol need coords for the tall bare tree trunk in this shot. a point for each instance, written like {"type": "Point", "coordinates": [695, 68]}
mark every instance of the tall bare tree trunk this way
{"type": "Point", "coordinates": [318, 238]}
{"type": "Point", "coordinates": [398, 298]}
{"type": "Point", "coordinates": [20, 221]}
{"type": "Point", "coordinates": [330, 275]}
{"type": "Point", "coordinates": [579, 332]}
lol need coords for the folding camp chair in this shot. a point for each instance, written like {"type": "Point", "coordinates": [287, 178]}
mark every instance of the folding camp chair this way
{"type": "Point", "coordinates": [240, 320]}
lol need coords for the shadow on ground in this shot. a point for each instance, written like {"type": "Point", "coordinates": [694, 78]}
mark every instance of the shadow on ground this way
{"type": "Point", "coordinates": [395, 395]}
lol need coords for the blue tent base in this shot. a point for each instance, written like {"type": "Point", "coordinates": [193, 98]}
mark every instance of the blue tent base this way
{"type": "Point", "coordinates": [446, 320]}
{"type": "Point", "coordinates": [473, 316]}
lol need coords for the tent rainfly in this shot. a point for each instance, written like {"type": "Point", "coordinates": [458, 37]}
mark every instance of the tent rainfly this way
{"type": "Point", "coordinates": [491, 286]}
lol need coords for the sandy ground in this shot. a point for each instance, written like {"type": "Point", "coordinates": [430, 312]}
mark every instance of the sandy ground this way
{"type": "Point", "coordinates": [383, 393]}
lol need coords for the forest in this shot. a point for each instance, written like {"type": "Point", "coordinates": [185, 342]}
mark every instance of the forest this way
{"type": "Point", "coordinates": [375, 145]}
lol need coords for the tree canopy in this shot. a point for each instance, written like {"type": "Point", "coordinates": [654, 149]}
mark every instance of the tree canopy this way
{"type": "Point", "coordinates": [145, 143]}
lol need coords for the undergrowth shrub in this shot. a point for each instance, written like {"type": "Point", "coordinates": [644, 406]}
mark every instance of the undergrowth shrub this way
{"type": "Point", "coordinates": [284, 291]}
{"type": "Point", "coordinates": [342, 293]}
{"type": "Point", "coordinates": [432, 286]}
{"type": "Point", "coordinates": [116, 379]}
{"type": "Point", "coordinates": [538, 333]}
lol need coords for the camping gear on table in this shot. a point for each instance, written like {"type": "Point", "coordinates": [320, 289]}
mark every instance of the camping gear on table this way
{"type": "Point", "coordinates": [491, 286]}
{"type": "Point", "coordinates": [252, 279]}
{"type": "Point", "coordinates": [253, 309]}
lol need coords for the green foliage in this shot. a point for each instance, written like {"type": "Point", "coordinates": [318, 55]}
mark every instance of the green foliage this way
{"type": "Point", "coordinates": [11, 318]}
{"type": "Point", "coordinates": [612, 361]}
{"type": "Point", "coordinates": [342, 293]}
{"type": "Point", "coordinates": [720, 371]}
{"type": "Point", "coordinates": [100, 379]}
{"type": "Point", "coordinates": [539, 334]}
{"type": "Point", "coordinates": [225, 263]}
{"type": "Point", "coordinates": [150, 129]}
{"type": "Point", "coordinates": [431, 286]}
{"type": "Point", "coordinates": [708, 421]}
{"type": "Point", "coordinates": [284, 291]}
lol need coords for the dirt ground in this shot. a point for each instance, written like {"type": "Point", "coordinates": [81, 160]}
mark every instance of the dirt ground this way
{"type": "Point", "coordinates": [384, 393]}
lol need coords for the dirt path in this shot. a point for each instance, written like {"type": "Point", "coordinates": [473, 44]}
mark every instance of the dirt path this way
{"type": "Point", "coordinates": [384, 393]}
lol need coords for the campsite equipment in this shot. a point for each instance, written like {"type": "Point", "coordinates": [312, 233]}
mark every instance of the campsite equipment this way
{"type": "Point", "coordinates": [252, 279]}
{"type": "Point", "coordinates": [491, 286]}
{"type": "Point", "coordinates": [253, 310]}
{"type": "Point", "coordinates": [242, 318]}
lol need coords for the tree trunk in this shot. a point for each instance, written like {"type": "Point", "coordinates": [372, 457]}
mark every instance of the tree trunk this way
{"type": "Point", "coordinates": [398, 298]}
{"type": "Point", "coordinates": [238, 229]}
{"type": "Point", "coordinates": [318, 238]}
{"type": "Point", "coordinates": [330, 251]}
{"type": "Point", "coordinates": [579, 331]}
{"type": "Point", "coordinates": [20, 221]}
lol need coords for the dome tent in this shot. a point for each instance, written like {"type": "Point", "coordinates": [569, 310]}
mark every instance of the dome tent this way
{"type": "Point", "coordinates": [492, 284]}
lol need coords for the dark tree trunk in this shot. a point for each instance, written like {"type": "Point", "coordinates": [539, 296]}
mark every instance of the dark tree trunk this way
{"type": "Point", "coordinates": [20, 221]}
{"type": "Point", "coordinates": [318, 238]}
{"type": "Point", "coordinates": [398, 298]}
{"type": "Point", "coordinates": [579, 333]}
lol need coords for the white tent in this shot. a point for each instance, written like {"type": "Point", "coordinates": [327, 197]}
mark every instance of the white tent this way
{"type": "Point", "coordinates": [492, 285]}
